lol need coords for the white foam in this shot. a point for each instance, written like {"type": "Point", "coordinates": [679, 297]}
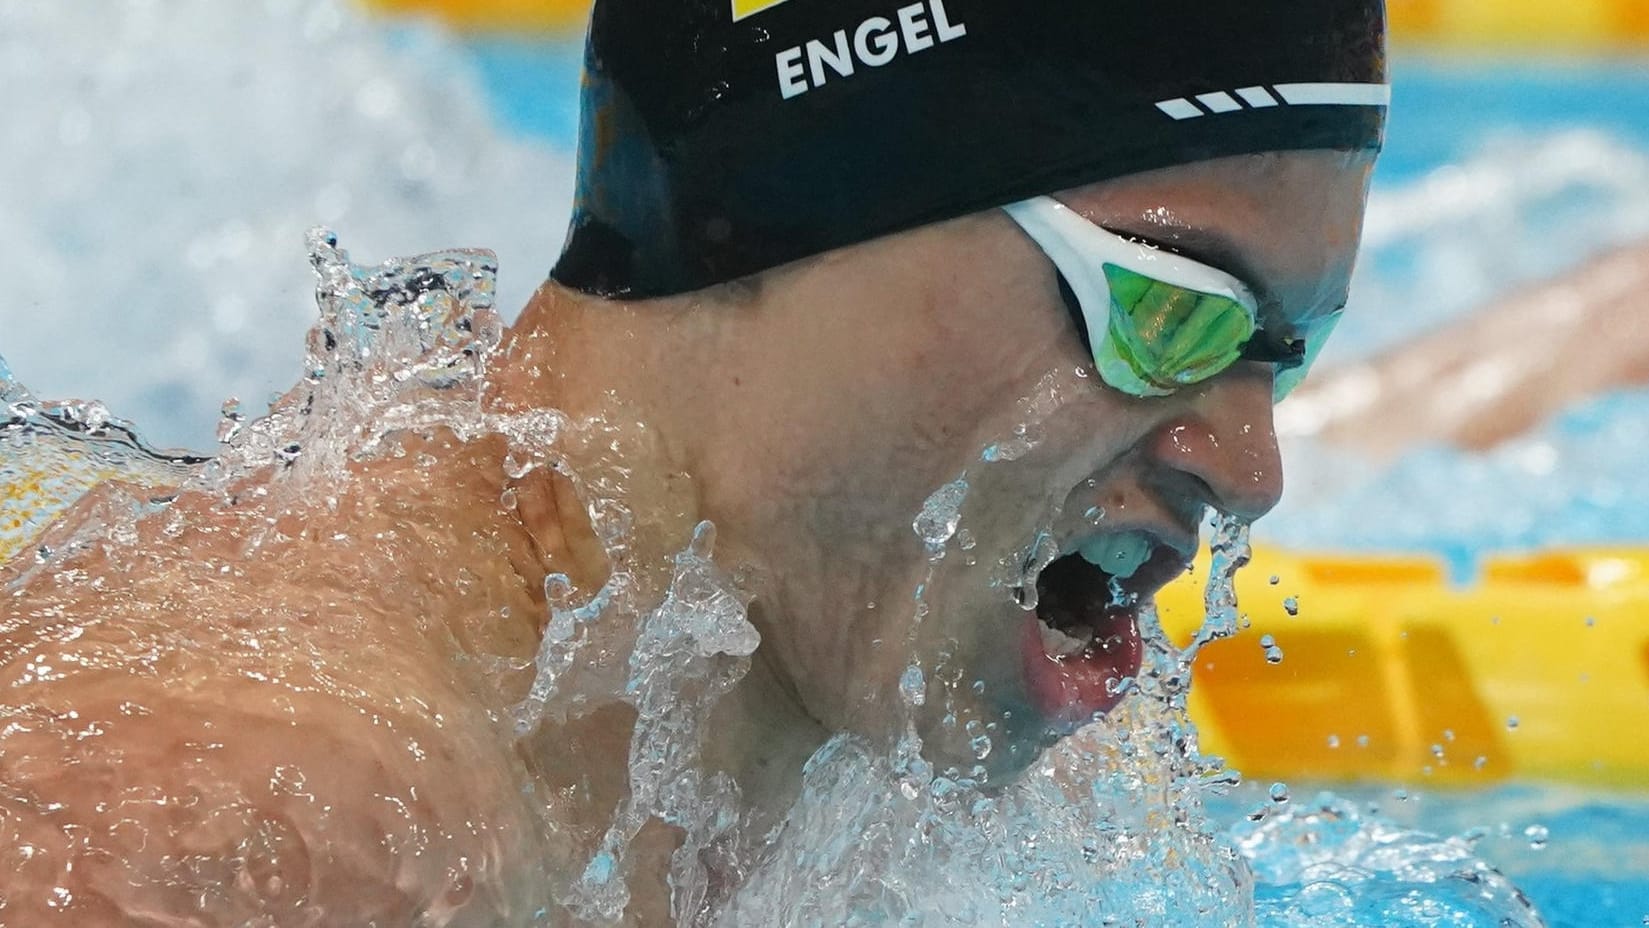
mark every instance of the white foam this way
{"type": "Point", "coordinates": [162, 160]}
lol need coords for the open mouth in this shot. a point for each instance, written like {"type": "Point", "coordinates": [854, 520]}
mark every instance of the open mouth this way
{"type": "Point", "coordinates": [1082, 643]}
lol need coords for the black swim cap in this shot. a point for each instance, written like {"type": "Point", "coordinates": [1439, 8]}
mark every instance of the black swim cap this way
{"type": "Point", "coordinates": [725, 137]}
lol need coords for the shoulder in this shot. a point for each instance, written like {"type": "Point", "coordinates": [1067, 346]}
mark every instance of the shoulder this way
{"type": "Point", "coordinates": [198, 721]}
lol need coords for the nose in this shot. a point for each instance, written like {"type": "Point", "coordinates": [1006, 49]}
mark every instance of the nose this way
{"type": "Point", "coordinates": [1225, 439]}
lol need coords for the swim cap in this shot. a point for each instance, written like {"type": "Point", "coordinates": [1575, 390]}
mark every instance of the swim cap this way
{"type": "Point", "coordinates": [720, 138]}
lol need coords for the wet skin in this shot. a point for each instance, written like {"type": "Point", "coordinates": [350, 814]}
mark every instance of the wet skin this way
{"type": "Point", "coordinates": [832, 402]}
{"type": "Point", "coordinates": [808, 414]}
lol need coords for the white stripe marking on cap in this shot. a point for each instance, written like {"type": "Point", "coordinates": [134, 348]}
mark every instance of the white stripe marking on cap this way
{"type": "Point", "coordinates": [1180, 108]}
{"type": "Point", "coordinates": [1335, 94]}
{"type": "Point", "coordinates": [1219, 102]}
{"type": "Point", "coordinates": [1257, 97]}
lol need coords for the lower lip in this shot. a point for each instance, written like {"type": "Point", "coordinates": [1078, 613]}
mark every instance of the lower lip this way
{"type": "Point", "coordinates": [1070, 691]}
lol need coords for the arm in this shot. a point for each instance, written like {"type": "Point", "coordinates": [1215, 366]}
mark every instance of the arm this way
{"type": "Point", "coordinates": [1499, 372]}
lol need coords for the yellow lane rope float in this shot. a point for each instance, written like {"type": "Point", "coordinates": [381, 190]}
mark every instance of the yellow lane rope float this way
{"type": "Point", "coordinates": [1537, 670]}
{"type": "Point", "coordinates": [1535, 24]}
{"type": "Point", "coordinates": [529, 16]}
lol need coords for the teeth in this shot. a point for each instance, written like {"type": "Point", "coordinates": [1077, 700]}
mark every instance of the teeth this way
{"type": "Point", "coordinates": [1118, 555]}
{"type": "Point", "coordinates": [1059, 644]}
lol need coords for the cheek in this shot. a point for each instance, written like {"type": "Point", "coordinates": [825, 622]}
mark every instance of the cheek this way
{"type": "Point", "coordinates": [947, 395]}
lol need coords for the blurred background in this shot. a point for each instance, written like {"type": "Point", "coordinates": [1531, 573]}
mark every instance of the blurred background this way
{"type": "Point", "coordinates": [160, 161]}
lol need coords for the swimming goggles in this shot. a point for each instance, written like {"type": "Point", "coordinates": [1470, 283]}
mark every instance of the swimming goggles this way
{"type": "Point", "coordinates": [1154, 321]}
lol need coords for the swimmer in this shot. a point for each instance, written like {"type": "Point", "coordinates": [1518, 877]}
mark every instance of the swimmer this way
{"type": "Point", "coordinates": [825, 259]}
{"type": "Point", "coordinates": [1495, 373]}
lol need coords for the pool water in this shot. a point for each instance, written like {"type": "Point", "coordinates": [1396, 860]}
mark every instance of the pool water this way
{"type": "Point", "coordinates": [215, 303]}
{"type": "Point", "coordinates": [1582, 857]}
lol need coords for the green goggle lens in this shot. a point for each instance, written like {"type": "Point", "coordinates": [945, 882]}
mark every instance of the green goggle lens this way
{"type": "Point", "coordinates": [1157, 322]}
{"type": "Point", "coordinates": [1165, 337]}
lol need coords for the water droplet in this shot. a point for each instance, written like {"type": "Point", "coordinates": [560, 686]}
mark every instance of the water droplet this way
{"type": "Point", "coordinates": [1273, 653]}
{"type": "Point", "coordinates": [231, 420]}
{"type": "Point", "coordinates": [1275, 580]}
{"type": "Point", "coordinates": [1511, 723]}
{"type": "Point", "coordinates": [1334, 742]}
{"type": "Point", "coordinates": [941, 514]}
{"type": "Point", "coordinates": [1538, 835]}
{"type": "Point", "coordinates": [1291, 605]}
{"type": "Point", "coordinates": [1279, 793]}
{"type": "Point", "coordinates": [913, 685]}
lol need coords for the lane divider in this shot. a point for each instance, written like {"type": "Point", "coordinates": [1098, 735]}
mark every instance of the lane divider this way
{"type": "Point", "coordinates": [1537, 670]}
{"type": "Point", "coordinates": [1534, 24]}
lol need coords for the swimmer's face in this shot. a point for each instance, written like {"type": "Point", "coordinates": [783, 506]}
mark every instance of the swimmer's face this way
{"type": "Point", "coordinates": [869, 379]}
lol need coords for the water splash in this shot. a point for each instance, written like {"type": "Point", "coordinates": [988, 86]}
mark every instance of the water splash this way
{"type": "Point", "coordinates": [692, 649]}
{"type": "Point", "coordinates": [53, 453]}
{"type": "Point", "coordinates": [1110, 826]}
{"type": "Point", "coordinates": [176, 149]}
{"type": "Point", "coordinates": [1329, 865]}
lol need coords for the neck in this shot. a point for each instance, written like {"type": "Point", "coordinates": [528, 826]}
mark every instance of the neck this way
{"type": "Point", "coordinates": [601, 363]}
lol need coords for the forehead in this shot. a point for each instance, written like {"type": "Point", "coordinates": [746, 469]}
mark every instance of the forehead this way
{"type": "Point", "coordinates": [1286, 223]}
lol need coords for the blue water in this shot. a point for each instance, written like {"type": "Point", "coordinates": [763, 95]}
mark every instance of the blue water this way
{"type": "Point", "coordinates": [1444, 109]}
{"type": "Point", "coordinates": [533, 85]}
{"type": "Point", "coordinates": [1582, 857]}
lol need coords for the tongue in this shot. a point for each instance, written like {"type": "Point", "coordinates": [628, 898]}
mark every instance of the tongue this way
{"type": "Point", "coordinates": [1073, 595]}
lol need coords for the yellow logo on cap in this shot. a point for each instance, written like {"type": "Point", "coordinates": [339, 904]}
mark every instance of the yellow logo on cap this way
{"type": "Point", "coordinates": [743, 8]}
